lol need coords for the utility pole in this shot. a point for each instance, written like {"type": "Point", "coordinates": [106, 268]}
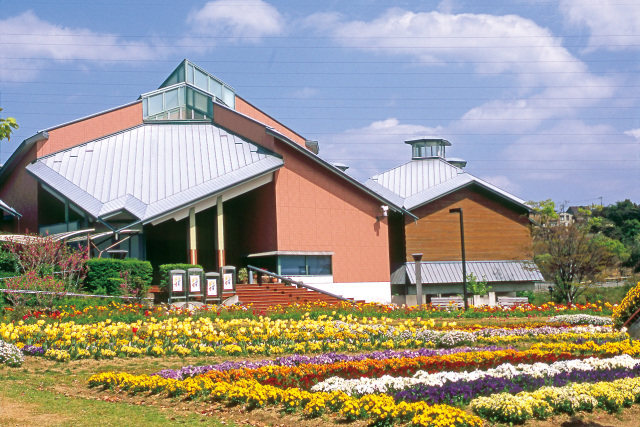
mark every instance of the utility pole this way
{"type": "Point", "coordinates": [417, 258]}
{"type": "Point", "coordinates": [464, 263]}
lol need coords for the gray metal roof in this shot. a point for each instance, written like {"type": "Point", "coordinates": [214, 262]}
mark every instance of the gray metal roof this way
{"type": "Point", "coordinates": [421, 181]}
{"type": "Point", "coordinates": [152, 169]}
{"type": "Point", "coordinates": [272, 253]}
{"type": "Point", "coordinates": [451, 272]}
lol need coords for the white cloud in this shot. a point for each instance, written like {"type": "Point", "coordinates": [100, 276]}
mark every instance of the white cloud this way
{"type": "Point", "coordinates": [30, 42]}
{"type": "Point", "coordinates": [634, 133]}
{"type": "Point", "coordinates": [306, 93]}
{"type": "Point", "coordinates": [546, 74]}
{"type": "Point", "coordinates": [580, 156]}
{"type": "Point", "coordinates": [448, 6]}
{"type": "Point", "coordinates": [614, 24]}
{"type": "Point", "coordinates": [503, 182]}
{"type": "Point", "coordinates": [492, 44]}
{"type": "Point", "coordinates": [374, 148]}
{"type": "Point", "coordinates": [237, 18]}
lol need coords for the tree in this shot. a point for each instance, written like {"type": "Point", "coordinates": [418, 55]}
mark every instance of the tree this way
{"type": "Point", "coordinates": [570, 257]}
{"type": "Point", "coordinates": [6, 127]}
{"type": "Point", "coordinates": [544, 212]}
{"type": "Point", "coordinates": [476, 286]}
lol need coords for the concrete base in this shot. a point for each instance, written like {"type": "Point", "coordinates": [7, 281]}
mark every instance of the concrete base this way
{"type": "Point", "coordinates": [233, 300]}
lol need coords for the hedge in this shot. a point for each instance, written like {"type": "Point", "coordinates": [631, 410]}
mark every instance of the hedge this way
{"type": "Point", "coordinates": [102, 272]}
{"type": "Point", "coordinates": [164, 269]}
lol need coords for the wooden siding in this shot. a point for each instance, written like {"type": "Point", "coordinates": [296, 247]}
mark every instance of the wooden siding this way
{"type": "Point", "coordinates": [493, 228]}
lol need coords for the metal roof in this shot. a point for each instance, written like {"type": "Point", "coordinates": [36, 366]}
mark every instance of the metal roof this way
{"type": "Point", "coordinates": [421, 181]}
{"type": "Point", "coordinates": [451, 272]}
{"type": "Point", "coordinates": [153, 169]}
{"type": "Point", "coordinates": [273, 253]}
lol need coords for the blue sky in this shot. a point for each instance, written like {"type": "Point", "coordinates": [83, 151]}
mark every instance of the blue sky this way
{"type": "Point", "coordinates": [542, 98]}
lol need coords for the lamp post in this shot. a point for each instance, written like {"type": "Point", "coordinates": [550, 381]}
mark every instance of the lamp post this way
{"type": "Point", "coordinates": [464, 264]}
{"type": "Point", "coordinates": [417, 258]}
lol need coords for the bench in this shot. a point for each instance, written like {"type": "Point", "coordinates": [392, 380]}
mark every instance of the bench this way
{"type": "Point", "coordinates": [512, 301]}
{"type": "Point", "coordinates": [447, 302]}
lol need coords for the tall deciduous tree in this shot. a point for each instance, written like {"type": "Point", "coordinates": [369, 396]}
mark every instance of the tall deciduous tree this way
{"type": "Point", "coordinates": [570, 257]}
{"type": "Point", "coordinates": [6, 127]}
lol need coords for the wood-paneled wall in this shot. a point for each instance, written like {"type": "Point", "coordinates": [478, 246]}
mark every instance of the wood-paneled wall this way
{"type": "Point", "coordinates": [493, 228]}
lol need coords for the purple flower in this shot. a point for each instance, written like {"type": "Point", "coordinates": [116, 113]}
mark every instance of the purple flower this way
{"type": "Point", "coordinates": [321, 359]}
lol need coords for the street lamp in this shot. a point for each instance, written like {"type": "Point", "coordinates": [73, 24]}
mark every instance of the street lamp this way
{"type": "Point", "coordinates": [464, 264]}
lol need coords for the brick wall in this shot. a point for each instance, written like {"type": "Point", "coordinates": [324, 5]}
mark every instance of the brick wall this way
{"type": "Point", "coordinates": [75, 133]}
{"type": "Point", "coordinates": [20, 191]}
{"type": "Point", "coordinates": [318, 211]}
{"type": "Point", "coordinates": [247, 109]}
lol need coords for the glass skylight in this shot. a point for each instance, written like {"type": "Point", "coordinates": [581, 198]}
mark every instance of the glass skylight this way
{"type": "Point", "coordinates": [187, 94]}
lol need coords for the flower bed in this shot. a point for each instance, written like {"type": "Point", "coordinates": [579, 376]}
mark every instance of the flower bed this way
{"type": "Point", "coordinates": [580, 319]}
{"type": "Point", "coordinates": [256, 387]}
{"type": "Point", "coordinates": [391, 371]}
{"type": "Point", "coordinates": [425, 383]}
{"type": "Point", "coordinates": [10, 355]}
{"type": "Point", "coordinates": [116, 312]}
{"type": "Point", "coordinates": [203, 336]}
{"type": "Point", "coordinates": [608, 395]}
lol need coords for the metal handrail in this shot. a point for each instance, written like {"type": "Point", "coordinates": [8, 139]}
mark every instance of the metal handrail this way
{"type": "Point", "coordinates": [66, 294]}
{"type": "Point", "coordinates": [63, 294]}
{"type": "Point", "coordinates": [300, 284]}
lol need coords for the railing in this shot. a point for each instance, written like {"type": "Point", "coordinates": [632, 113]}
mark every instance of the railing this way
{"type": "Point", "coordinates": [65, 294]}
{"type": "Point", "coordinates": [288, 281]}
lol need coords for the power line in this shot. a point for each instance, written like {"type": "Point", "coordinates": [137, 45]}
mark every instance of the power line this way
{"type": "Point", "coordinates": [342, 73]}
{"type": "Point", "coordinates": [368, 62]}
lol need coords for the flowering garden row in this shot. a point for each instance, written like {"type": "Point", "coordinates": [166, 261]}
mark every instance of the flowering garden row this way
{"type": "Point", "coordinates": [203, 336]}
{"type": "Point", "coordinates": [132, 312]}
{"type": "Point", "coordinates": [290, 386]}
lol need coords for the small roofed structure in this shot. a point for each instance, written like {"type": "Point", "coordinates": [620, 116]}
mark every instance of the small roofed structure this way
{"type": "Point", "coordinates": [430, 188]}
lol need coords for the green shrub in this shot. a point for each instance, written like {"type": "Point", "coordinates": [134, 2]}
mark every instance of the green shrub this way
{"type": "Point", "coordinates": [528, 294]}
{"type": "Point", "coordinates": [104, 275]}
{"type": "Point", "coordinates": [8, 263]}
{"type": "Point", "coordinates": [163, 273]}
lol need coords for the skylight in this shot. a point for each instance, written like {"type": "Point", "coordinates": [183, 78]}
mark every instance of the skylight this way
{"type": "Point", "coordinates": [187, 94]}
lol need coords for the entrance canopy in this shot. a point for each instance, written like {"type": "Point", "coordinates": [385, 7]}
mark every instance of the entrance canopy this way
{"type": "Point", "coordinates": [150, 171]}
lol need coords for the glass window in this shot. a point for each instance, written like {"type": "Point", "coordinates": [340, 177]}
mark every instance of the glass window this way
{"type": "Point", "coordinates": [301, 265]}
{"type": "Point", "coordinates": [200, 79]}
{"type": "Point", "coordinates": [293, 265]}
{"type": "Point", "coordinates": [171, 99]}
{"type": "Point", "coordinates": [228, 97]}
{"type": "Point", "coordinates": [319, 265]}
{"type": "Point", "coordinates": [215, 88]}
{"type": "Point", "coordinates": [189, 73]}
{"type": "Point", "coordinates": [154, 104]}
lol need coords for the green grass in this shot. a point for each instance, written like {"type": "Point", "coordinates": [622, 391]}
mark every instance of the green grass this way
{"type": "Point", "coordinates": [49, 394]}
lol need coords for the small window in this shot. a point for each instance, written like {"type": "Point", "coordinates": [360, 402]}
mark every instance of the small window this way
{"type": "Point", "coordinates": [304, 265]}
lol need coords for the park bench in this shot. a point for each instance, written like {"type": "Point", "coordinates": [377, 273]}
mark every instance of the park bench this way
{"type": "Point", "coordinates": [512, 301]}
{"type": "Point", "coordinates": [444, 302]}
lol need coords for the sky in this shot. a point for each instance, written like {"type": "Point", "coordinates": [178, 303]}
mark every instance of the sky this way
{"type": "Point", "coordinates": [541, 97]}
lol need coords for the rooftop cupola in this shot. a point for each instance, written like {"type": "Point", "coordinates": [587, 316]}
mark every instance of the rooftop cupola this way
{"type": "Point", "coordinates": [428, 148]}
{"type": "Point", "coordinates": [455, 161]}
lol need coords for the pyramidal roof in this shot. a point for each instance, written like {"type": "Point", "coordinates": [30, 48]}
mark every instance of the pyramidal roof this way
{"type": "Point", "coordinates": [153, 168]}
{"type": "Point", "coordinates": [421, 181]}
